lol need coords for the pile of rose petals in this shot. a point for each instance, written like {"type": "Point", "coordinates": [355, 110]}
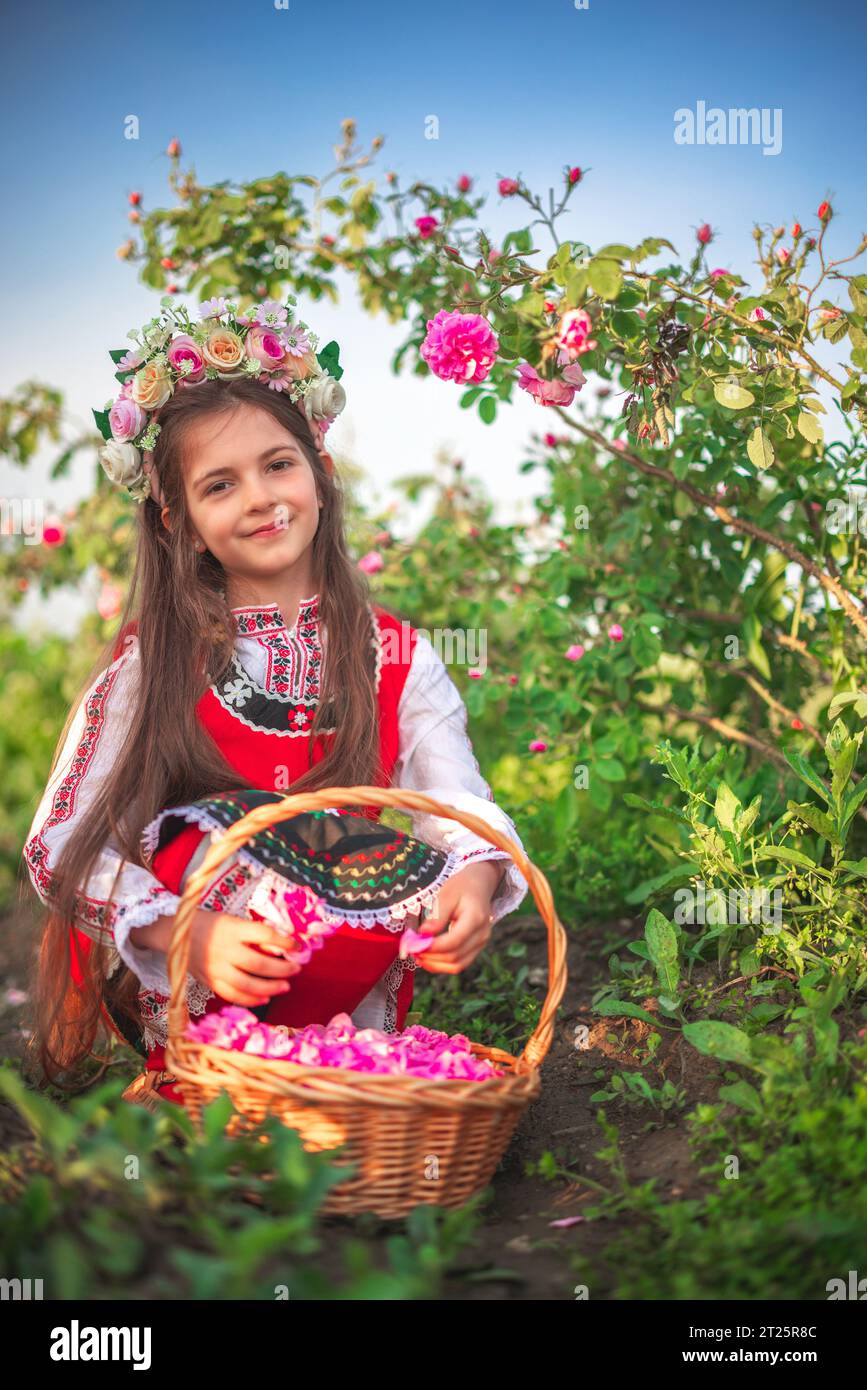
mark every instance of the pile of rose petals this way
{"type": "Point", "coordinates": [417, 1051]}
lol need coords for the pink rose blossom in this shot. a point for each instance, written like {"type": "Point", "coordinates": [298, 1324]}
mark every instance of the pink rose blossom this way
{"type": "Point", "coordinates": [475, 674]}
{"type": "Point", "coordinates": [559, 391]}
{"type": "Point", "coordinates": [574, 336]}
{"type": "Point", "coordinates": [459, 347]}
{"type": "Point", "coordinates": [426, 226]}
{"type": "Point", "coordinates": [575, 652]}
{"type": "Point", "coordinates": [704, 233]}
{"type": "Point", "coordinates": [371, 563]}
{"type": "Point", "coordinates": [108, 604]}
{"type": "Point", "coordinates": [507, 188]}
{"type": "Point", "coordinates": [182, 349]}
{"type": "Point", "coordinates": [126, 419]}
{"type": "Point", "coordinates": [265, 346]}
{"type": "Point", "coordinates": [537, 745]}
{"type": "Point", "coordinates": [719, 273]}
{"type": "Point", "coordinates": [615, 632]}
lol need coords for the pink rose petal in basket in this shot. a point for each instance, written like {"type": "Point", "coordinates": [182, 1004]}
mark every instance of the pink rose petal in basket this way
{"type": "Point", "coordinates": [417, 1051]}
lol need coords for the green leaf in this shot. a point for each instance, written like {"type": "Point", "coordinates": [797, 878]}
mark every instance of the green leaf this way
{"type": "Point", "coordinates": [785, 856]}
{"type": "Point", "coordinates": [657, 808]}
{"type": "Point", "coordinates": [722, 1040]}
{"type": "Point", "coordinates": [810, 428]}
{"type": "Point", "coordinates": [102, 424]}
{"type": "Point", "coordinates": [488, 409]}
{"type": "Point", "coordinates": [645, 647]}
{"type": "Point", "coordinates": [732, 396]}
{"type": "Point", "coordinates": [327, 360]}
{"type": "Point", "coordinates": [808, 774]}
{"type": "Point", "coordinates": [856, 867]}
{"type": "Point", "coordinates": [616, 252]}
{"type": "Point", "coordinates": [606, 277]}
{"type": "Point", "coordinates": [469, 397]}
{"type": "Point", "coordinates": [610, 770]}
{"type": "Point", "coordinates": [760, 449]}
{"type": "Point", "coordinates": [743, 1095]}
{"type": "Point", "coordinates": [816, 819]}
{"type": "Point", "coordinates": [858, 698]}
{"type": "Point", "coordinates": [726, 808]}
{"type": "Point", "coordinates": [680, 873]}
{"type": "Point", "coordinates": [661, 940]}
{"type": "Point", "coordinates": [843, 766]}
{"type": "Point", "coordinates": [617, 1008]}
{"type": "Point", "coordinates": [852, 801]}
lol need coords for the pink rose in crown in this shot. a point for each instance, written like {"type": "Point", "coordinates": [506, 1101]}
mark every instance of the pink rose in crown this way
{"type": "Point", "coordinates": [262, 345]}
{"type": "Point", "coordinates": [183, 349]}
{"type": "Point", "coordinates": [460, 347]}
{"type": "Point", "coordinates": [126, 419]}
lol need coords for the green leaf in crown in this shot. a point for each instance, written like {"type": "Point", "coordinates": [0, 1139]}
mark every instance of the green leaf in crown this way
{"type": "Point", "coordinates": [102, 424]}
{"type": "Point", "coordinates": [116, 354]}
{"type": "Point", "coordinates": [327, 360]}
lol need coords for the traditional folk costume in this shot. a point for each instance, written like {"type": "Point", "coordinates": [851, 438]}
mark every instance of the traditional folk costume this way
{"type": "Point", "coordinates": [260, 715]}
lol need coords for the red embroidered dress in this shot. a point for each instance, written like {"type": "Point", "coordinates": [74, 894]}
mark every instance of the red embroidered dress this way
{"type": "Point", "coordinates": [260, 714]}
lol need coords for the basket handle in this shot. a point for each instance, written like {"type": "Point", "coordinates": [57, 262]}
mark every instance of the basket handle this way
{"type": "Point", "coordinates": [237, 835]}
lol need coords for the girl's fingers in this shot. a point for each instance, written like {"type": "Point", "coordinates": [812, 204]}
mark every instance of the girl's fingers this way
{"type": "Point", "coordinates": [253, 991]}
{"type": "Point", "coordinates": [449, 962]}
{"type": "Point", "coordinates": [258, 933]}
{"type": "Point", "coordinates": [255, 963]}
{"type": "Point", "coordinates": [462, 932]}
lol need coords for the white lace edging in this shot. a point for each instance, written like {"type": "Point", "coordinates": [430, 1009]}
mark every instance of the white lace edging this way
{"type": "Point", "coordinates": [154, 1010]}
{"type": "Point", "coordinates": [146, 962]}
{"type": "Point", "coordinates": [393, 918]}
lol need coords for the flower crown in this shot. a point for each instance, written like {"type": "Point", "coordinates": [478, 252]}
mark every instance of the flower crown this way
{"type": "Point", "coordinates": [262, 345]}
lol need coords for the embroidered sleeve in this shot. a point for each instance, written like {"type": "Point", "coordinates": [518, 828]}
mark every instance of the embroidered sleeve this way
{"type": "Point", "coordinates": [435, 756]}
{"type": "Point", "coordinates": [106, 909]}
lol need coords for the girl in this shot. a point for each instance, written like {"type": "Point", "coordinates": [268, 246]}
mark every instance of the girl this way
{"type": "Point", "coordinates": [256, 659]}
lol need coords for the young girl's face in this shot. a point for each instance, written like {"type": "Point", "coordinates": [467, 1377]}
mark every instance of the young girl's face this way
{"type": "Point", "coordinates": [243, 473]}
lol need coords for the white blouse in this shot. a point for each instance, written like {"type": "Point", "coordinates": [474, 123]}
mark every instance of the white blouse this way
{"type": "Point", "coordinates": [435, 756]}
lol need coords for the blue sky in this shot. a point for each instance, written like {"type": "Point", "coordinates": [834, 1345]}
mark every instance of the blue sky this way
{"type": "Point", "coordinates": [517, 88]}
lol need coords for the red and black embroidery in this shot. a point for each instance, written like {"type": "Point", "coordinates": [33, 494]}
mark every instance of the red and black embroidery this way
{"type": "Point", "coordinates": [95, 913]}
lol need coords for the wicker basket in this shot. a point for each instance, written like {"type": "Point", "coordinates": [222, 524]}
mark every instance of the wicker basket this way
{"type": "Point", "coordinates": [411, 1140]}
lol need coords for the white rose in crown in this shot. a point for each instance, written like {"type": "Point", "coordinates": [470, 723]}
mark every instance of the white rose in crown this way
{"type": "Point", "coordinates": [122, 463]}
{"type": "Point", "coordinates": [324, 397]}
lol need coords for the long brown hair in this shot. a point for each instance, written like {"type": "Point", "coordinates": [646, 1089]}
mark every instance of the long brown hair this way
{"type": "Point", "coordinates": [186, 633]}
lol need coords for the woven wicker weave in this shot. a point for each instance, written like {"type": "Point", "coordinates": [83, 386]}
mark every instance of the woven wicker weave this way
{"type": "Point", "coordinates": [410, 1140]}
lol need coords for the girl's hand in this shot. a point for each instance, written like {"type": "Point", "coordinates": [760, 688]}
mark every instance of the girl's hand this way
{"type": "Point", "coordinates": [222, 956]}
{"type": "Point", "coordinates": [463, 918]}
